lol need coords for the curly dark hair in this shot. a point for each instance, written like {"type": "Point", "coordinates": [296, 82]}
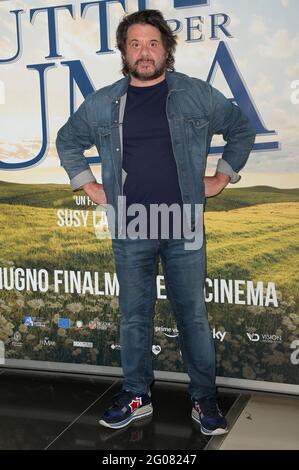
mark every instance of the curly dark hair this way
{"type": "Point", "coordinates": [153, 18]}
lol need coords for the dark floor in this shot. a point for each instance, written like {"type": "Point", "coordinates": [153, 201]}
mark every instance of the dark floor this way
{"type": "Point", "coordinates": [59, 411]}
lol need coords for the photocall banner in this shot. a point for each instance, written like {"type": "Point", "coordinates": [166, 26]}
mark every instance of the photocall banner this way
{"type": "Point", "coordinates": [58, 287]}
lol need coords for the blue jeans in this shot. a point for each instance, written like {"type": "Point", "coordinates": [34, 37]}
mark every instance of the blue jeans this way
{"type": "Point", "coordinates": [184, 271]}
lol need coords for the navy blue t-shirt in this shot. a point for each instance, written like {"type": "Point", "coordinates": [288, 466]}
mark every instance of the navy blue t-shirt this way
{"type": "Point", "coordinates": [147, 150]}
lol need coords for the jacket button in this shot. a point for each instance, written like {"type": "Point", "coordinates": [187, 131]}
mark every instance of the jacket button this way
{"type": "Point", "coordinates": [117, 149]}
{"type": "Point", "coordinates": [116, 102]}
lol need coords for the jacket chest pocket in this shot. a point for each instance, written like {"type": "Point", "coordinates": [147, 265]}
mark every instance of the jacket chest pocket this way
{"type": "Point", "coordinates": [104, 134]}
{"type": "Point", "coordinates": [197, 137]}
{"type": "Point", "coordinates": [196, 132]}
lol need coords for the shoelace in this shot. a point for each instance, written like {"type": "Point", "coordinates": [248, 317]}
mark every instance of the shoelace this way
{"type": "Point", "coordinates": [209, 406]}
{"type": "Point", "coordinates": [121, 398]}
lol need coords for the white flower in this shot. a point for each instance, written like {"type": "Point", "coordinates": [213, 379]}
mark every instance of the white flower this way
{"type": "Point", "coordinates": [36, 303]}
{"type": "Point", "coordinates": [75, 307]}
{"type": "Point", "coordinates": [294, 317]}
{"type": "Point", "coordinates": [114, 303]}
{"type": "Point", "coordinates": [54, 305]}
{"type": "Point", "coordinates": [291, 327]}
{"type": "Point", "coordinates": [248, 373]}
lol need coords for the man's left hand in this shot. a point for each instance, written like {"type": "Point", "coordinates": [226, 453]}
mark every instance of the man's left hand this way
{"type": "Point", "coordinates": [215, 184]}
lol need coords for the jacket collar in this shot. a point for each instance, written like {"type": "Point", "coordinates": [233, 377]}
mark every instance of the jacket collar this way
{"type": "Point", "coordinates": [175, 81]}
{"type": "Point", "coordinates": [119, 88]}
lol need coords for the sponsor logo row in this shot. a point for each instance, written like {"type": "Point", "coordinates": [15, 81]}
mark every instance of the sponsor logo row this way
{"type": "Point", "coordinates": [156, 349]}
{"type": "Point", "coordinates": [66, 323]}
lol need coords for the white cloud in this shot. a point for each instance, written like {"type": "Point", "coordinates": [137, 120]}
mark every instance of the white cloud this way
{"type": "Point", "coordinates": [292, 71]}
{"type": "Point", "coordinates": [5, 43]}
{"type": "Point", "coordinates": [263, 85]}
{"type": "Point", "coordinates": [19, 150]}
{"type": "Point", "coordinates": [280, 45]}
{"type": "Point", "coordinates": [286, 124]}
{"type": "Point", "coordinates": [258, 26]}
{"type": "Point", "coordinates": [2, 92]}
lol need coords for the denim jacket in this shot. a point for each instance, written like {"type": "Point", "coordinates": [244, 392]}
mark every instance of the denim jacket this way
{"type": "Point", "coordinates": [195, 112]}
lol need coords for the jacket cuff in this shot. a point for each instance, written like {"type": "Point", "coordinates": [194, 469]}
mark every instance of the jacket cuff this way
{"type": "Point", "coordinates": [224, 167]}
{"type": "Point", "coordinates": [82, 178]}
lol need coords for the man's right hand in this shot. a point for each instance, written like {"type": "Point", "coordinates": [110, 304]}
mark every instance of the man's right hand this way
{"type": "Point", "coordinates": [96, 192]}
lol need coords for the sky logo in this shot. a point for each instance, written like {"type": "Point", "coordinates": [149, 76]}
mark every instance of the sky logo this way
{"type": "Point", "coordinates": [64, 323]}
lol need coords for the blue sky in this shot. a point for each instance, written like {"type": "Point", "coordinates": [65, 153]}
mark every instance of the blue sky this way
{"type": "Point", "coordinates": [265, 47]}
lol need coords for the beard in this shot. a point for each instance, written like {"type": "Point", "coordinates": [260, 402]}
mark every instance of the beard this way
{"type": "Point", "coordinates": [150, 74]}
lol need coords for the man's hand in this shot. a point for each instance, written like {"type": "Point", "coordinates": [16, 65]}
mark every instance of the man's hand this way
{"type": "Point", "coordinates": [215, 184]}
{"type": "Point", "coordinates": [96, 192]}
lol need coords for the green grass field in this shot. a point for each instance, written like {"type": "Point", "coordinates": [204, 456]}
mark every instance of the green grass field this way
{"type": "Point", "coordinates": [60, 195]}
{"type": "Point", "coordinates": [255, 242]}
{"type": "Point", "coordinates": [248, 230]}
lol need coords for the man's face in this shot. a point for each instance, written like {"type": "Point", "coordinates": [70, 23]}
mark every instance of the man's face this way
{"type": "Point", "coordinates": [145, 53]}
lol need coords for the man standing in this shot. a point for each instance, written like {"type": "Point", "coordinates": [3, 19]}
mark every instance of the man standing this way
{"type": "Point", "coordinates": [153, 130]}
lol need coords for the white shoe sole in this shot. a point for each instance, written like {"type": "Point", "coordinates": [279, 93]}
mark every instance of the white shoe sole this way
{"type": "Point", "coordinates": [206, 432]}
{"type": "Point", "coordinates": [142, 412]}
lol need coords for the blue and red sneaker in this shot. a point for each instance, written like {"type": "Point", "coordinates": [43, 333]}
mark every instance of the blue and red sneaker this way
{"type": "Point", "coordinates": [205, 411]}
{"type": "Point", "coordinates": [127, 407]}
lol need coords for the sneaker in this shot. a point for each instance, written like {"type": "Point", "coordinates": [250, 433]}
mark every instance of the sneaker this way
{"type": "Point", "coordinates": [205, 411]}
{"type": "Point", "coordinates": [127, 407]}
